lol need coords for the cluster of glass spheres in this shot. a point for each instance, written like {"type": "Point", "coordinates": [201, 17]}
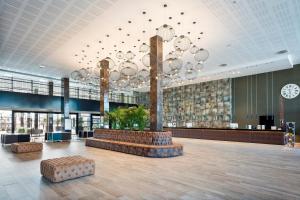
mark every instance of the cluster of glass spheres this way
{"type": "Point", "coordinates": [128, 75]}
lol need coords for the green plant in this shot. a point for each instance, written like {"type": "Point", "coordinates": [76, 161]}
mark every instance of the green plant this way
{"type": "Point", "coordinates": [21, 130]}
{"type": "Point", "coordinates": [113, 119]}
{"type": "Point", "coordinates": [141, 117]}
{"type": "Point", "coordinates": [129, 117]}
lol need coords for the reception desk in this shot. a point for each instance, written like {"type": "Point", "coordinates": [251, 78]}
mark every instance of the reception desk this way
{"type": "Point", "coordinates": [236, 135]}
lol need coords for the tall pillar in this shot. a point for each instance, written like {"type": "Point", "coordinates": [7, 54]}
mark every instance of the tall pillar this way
{"type": "Point", "coordinates": [50, 115]}
{"type": "Point", "coordinates": [104, 90]}
{"type": "Point", "coordinates": [65, 104]}
{"type": "Point", "coordinates": [104, 86]}
{"type": "Point", "coordinates": [36, 120]}
{"type": "Point", "coordinates": [156, 91]}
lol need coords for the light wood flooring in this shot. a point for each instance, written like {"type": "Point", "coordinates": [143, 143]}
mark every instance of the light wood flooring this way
{"type": "Point", "coordinates": [207, 170]}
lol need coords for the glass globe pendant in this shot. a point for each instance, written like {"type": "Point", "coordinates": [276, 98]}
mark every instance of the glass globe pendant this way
{"type": "Point", "coordinates": [128, 68]}
{"type": "Point", "coordinates": [182, 43]}
{"type": "Point", "coordinates": [114, 75]}
{"type": "Point", "coordinates": [194, 49]}
{"type": "Point", "coordinates": [120, 55]}
{"type": "Point", "coordinates": [75, 75]}
{"type": "Point", "coordinates": [144, 48]}
{"type": "Point", "coordinates": [166, 32]}
{"type": "Point", "coordinates": [190, 74]}
{"type": "Point", "coordinates": [171, 55]}
{"type": "Point", "coordinates": [146, 60]}
{"type": "Point", "coordinates": [143, 75]}
{"type": "Point", "coordinates": [201, 55]}
{"type": "Point", "coordinates": [111, 63]}
{"type": "Point", "coordinates": [130, 55]}
{"type": "Point", "coordinates": [199, 67]}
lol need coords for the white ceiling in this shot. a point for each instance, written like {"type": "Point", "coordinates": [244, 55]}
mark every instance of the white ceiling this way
{"type": "Point", "coordinates": [238, 33]}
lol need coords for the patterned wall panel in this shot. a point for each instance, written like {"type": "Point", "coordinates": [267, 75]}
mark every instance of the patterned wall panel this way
{"type": "Point", "coordinates": [205, 104]}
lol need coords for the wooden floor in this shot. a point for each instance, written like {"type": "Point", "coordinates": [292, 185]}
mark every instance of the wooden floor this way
{"type": "Point", "coordinates": [208, 170]}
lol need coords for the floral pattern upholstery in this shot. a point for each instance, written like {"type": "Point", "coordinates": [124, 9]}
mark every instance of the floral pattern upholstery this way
{"type": "Point", "coordinates": [65, 168]}
{"type": "Point", "coordinates": [154, 151]}
{"type": "Point", "coordinates": [25, 147]}
{"type": "Point", "coordinates": [138, 137]}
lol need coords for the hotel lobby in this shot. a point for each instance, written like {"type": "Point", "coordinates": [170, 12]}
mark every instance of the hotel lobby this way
{"type": "Point", "coordinates": [136, 99]}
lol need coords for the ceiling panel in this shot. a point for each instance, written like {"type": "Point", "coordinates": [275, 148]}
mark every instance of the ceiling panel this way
{"type": "Point", "coordinates": [236, 33]}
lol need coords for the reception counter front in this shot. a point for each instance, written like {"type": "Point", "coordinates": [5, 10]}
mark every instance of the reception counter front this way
{"type": "Point", "coordinates": [236, 135]}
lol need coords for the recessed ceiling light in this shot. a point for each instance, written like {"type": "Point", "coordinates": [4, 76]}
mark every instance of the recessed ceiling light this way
{"type": "Point", "coordinates": [42, 66]}
{"type": "Point", "coordinates": [282, 51]}
{"type": "Point", "coordinates": [182, 13]}
{"type": "Point", "coordinates": [129, 22]}
{"type": "Point", "coordinates": [223, 65]}
{"type": "Point", "coordinates": [100, 41]}
{"type": "Point", "coordinates": [139, 40]}
{"type": "Point", "coordinates": [119, 29]}
{"type": "Point", "coordinates": [87, 45]}
{"type": "Point", "coordinates": [150, 20]}
{"type": "Point", "coordinates": [201, 33]}
{"type": "Point", "coordinates": [170, 17]}
{"type": "Point", "coordinates": [165, 5]}
{"type": "Point", "coordinates": [194, 22]}
{"type": "Point", "coordinates": [144, 12]}
{"type": "Point", "coordinates": [107, 35]}
{"type": "Point", "coordinates": [128, 34]}
{"type": "Point", "coordinates": [178, 23]}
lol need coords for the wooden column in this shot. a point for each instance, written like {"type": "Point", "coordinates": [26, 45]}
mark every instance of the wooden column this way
{"type": "Point", "coordinates": [156, 91]}
{"type": "Point", "coordinates": [104, 87]}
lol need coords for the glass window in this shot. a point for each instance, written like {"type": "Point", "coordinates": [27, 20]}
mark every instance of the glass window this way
{"type": "Point", "coordinates": [5, 121]}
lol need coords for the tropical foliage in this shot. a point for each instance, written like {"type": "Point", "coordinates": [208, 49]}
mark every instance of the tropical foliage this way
{"type": "Point", "coordinates": [129, 118]}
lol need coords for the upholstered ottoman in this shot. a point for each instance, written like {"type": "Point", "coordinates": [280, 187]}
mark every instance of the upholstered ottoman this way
{"type": "Point", "coordinates": [65, 168]}
{"type": "Point", "coordinates": [25, 147]}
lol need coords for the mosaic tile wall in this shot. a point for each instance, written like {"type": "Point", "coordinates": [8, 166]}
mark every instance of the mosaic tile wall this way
{"type": "Point", "coordinates": [206, 104]}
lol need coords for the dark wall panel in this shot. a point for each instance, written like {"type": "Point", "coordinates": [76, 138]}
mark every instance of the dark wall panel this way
{"type": "Point", "coordinates": [23, 101]}
{"type": "Point", "coordinates": [260, 95]}
{"type": "Point", "coordinates": [20, 101]}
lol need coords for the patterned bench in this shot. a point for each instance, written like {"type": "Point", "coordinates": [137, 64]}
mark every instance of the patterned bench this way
{"type": "Point", "coordinates": [154, 151]}
{"type": "Point", "coordinates": [25, 147]}
{"type": "Point", "coordinates": [65, 168]}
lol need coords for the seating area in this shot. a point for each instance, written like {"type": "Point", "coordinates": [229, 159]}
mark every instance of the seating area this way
{"type": "Point", "coordinates": [141, 143]}
{"type": "Point", "coordinates": [66, 168]}
{"type": "Point", "coordinates": [25, 147]}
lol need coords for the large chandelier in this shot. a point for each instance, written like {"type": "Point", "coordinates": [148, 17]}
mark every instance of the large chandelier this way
{"type": "Point", "coordinates": [128, 75]}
